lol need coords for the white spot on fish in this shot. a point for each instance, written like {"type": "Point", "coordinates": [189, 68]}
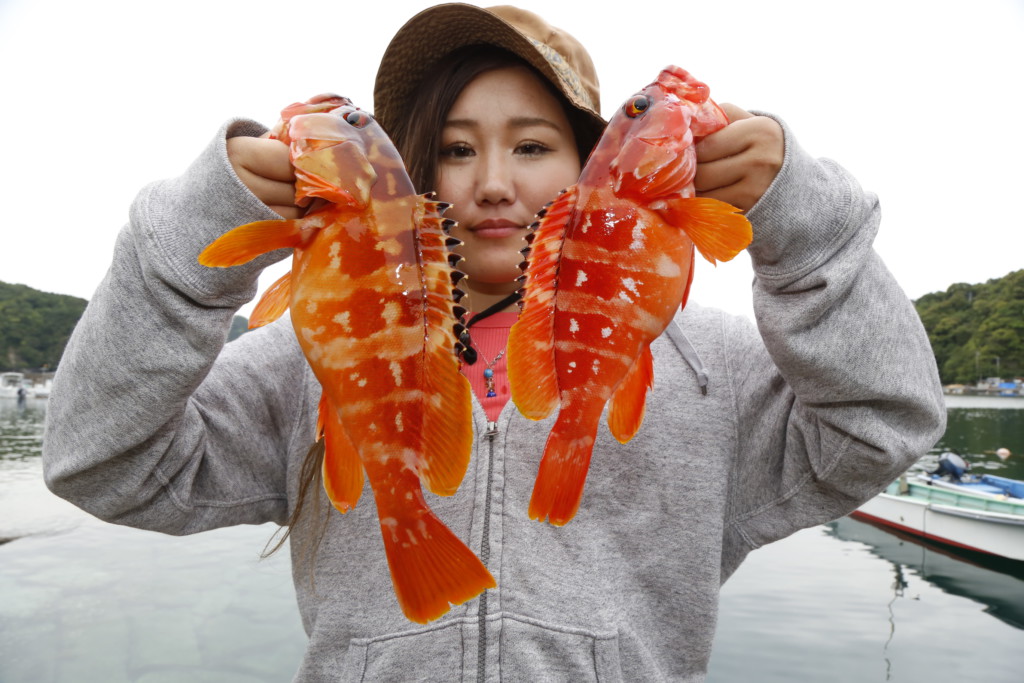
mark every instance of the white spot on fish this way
{"type": "Point", "coordinates": [398, 422]}
{"type": "Point", "coordinates": [335, 263]}
{"type": "Point", "coordinates": [581, 277]}
{"type": "Point", "coordinates": [572, 366]}
{"type": "Point", "coordinates": [391, 312]}
{"type": "Point", "coordinates": [334, 249]}
{"type": "Point", "coordinates": [343, 320]}
{"type": "Point", "coordinates": [596, 366]}
{"type": "Point", "coordinates": [630, 284]}
{"type": "Point", "coordinates": [396, 372]}
{"type": "Point", "coordinates": [638, 236]}
{"type": "Point", "coordinates": [574, 326]}
{"type": "Point", "coordinates": [625, 297]}
{"type": "Point", "coordinates": [361, 383]}
{"type": "Point", "coordinates": [311, 307]}
{"type": "Point", "coordinates": [606, 332]}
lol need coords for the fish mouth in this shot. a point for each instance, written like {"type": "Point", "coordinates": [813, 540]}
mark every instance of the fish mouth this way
{"type": "Point", "coordinates": [496, 228]}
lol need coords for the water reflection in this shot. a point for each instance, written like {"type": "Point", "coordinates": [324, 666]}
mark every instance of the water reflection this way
{"type": "Point", "coordinates": [995, 582]}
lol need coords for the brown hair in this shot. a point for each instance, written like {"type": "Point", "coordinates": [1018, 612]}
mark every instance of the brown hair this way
{"type": "Point", "coordinates": [417, 136]}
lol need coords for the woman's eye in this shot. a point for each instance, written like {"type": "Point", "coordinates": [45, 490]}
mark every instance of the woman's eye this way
{"type": "Point", "coordinates": [531, 148]}
{"type": "Point", "coordinates": [457, 151]}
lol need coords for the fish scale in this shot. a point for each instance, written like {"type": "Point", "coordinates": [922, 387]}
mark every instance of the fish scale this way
{"type": "Point", "coordinates": [609, 264]}
{"type": "Point", "coordinates": [371, 302]}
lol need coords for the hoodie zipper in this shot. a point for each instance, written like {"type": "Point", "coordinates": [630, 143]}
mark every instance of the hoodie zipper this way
{"type": "Point", "coordinates": [485, 554]}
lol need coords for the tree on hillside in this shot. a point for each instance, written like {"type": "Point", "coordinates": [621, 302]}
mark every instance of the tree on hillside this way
{"type": "Point", "coordinates": [977, 330]}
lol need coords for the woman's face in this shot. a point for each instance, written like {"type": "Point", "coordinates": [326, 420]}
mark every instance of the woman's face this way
{"type": "Point", "coordinates": [506, 150]}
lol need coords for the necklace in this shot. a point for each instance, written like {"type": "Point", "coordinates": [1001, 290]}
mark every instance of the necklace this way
{"type": "Point", "coordinates": [489, 375]}
{"type": "Point", "coordinates": [465, 349]}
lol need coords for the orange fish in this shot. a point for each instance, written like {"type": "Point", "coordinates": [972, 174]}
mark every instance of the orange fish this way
{"type": "Point", "coordinates": [608, 266]}
{"type": "Point", "coordinates": [371, 300]}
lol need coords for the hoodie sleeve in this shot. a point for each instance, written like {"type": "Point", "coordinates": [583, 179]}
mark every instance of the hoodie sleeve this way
{"type": "Point", "coordinates": [152, 421]}
{"type": "Point", "coordinates": [839, 393]}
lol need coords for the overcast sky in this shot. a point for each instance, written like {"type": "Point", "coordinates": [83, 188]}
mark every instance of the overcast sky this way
{"type": "Point", "coordinates": [920, 100]}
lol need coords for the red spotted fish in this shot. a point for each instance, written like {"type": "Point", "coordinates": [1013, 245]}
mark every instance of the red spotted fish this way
{"type": "Point", "coordinates": [609, 264]}
{"type": "Point", "coordinates": [371, 302]}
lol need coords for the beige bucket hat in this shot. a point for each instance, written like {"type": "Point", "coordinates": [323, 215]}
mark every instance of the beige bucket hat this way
{"type": "Point", "coordinates": [439, 30]}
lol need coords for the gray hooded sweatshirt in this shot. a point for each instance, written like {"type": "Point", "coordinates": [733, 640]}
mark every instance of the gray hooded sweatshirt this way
{"type": "Point", "coordinates": [155, 423]}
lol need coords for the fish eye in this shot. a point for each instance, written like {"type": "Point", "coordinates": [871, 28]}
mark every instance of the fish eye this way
{"type": "Point", "coordinates": [357, 118]}
{"type": "Point", "coordinates": [637, 106]}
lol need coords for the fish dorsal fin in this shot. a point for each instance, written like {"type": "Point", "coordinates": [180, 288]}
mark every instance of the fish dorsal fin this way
{"type": "Point", "coordinates": [248, 241]}
{"type": "Point", "coordinates": [342, 469]}
{"type": "Point", "coordinates": [448, 403]}
{"type": "Point", "coordinates": [273, 303]}
{"type": "Point", "coordinates": [531, 341]}
{"type": "Point", "coordinates": [629, 400]}
{"type": "Point", "coordinates": [718, 230]}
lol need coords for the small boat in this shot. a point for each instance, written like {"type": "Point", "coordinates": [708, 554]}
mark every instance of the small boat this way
{"type": "Point", "coordinates": [11, 382]}
{"type": "Point", "coordinates": [970, 515]}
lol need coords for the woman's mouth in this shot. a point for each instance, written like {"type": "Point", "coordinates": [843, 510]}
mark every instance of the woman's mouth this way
{"type": "Point", "coordinates": [496, 228]}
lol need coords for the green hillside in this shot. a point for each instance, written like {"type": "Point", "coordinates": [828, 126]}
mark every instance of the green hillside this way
{"type": "Point", "coordinates": [35, 326]}
{"type": "Point", "coordinates": [977, 331]}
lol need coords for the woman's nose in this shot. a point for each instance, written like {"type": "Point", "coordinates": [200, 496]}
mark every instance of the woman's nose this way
{"type": "Point", "coordinates": [495, 183]}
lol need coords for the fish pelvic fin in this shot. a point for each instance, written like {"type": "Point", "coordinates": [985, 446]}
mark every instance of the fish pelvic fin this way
{"type": "Point", "coordinates": [431, 568]}
{"type": "Point", "coordinates": [248, 241]}
{"type": "Point", "coordinates": [273, 303]}
{"type": "Point", "coordinates": [448, 404]}
{"type": "Point", "coordinates": [628, 403]}
{"type": "Point", "coordinates": [342, 469]}
{"type": "Point", "coordinates": [532, 377]}
{"type": "Point", "coordinates": [558, 489]}
{"type": "Point", "coordinates": [718, 230]}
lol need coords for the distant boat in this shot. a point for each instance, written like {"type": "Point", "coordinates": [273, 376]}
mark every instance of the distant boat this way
{"type": "Point", "coordinates": [984, 516]}
{"type": "Point", "coordinates": [10, 382]}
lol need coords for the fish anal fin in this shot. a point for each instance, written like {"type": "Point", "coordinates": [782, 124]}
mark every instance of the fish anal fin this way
{"type": "Point", "coordinates": [531, 342]}
{"type": "Point", "coordinates": [248, 241]}
{"type": "Point", "coordinates": [718, 230]}
{"type": "Point", "coordinates": [431, 568]}
{"type": "Point", "coordinates": [342, 468]}
{"type": "Point", "coordinates": [448, 404]}
{"type": "Point", "coordinates": [273, 303]}
{"type": "Point", "coordinates": [628, 402]}
{"type": "Point", "coordinates": [558, 489]}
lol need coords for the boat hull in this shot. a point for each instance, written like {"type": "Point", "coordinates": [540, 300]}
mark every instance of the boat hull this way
{"type": "Point", "coordinates": [959, 521]}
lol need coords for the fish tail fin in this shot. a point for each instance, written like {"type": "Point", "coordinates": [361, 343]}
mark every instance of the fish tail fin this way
{"type": "Point", "coordinates": [718, 230]}
{"type": "Point", "coordinates": [531, 341]}
{"type": "Point", "coordinates": [563, 471]}
{"type": "Point", "coordinates": [628, 403]}
{"type": "Point", "coordinates": [431, 568]}
{"type": "Point", "coordinates": [273, 303]}
{"type": "Point", "coordinates": [248, 241]}
{"type": "Point", "coordinates": [342, 469]}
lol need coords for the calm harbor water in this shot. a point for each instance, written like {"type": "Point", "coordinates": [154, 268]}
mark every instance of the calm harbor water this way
{"type": "Point", "coordinates": [83, 601]}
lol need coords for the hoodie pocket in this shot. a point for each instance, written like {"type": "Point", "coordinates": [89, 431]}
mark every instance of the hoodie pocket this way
{"type": "Point", "coordinates": [431, 654]}
{"type": "Point", "coordinates": [534, 651]}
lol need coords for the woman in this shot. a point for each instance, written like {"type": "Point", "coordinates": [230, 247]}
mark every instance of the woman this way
{"type": "Point", "coordinates": [800, 420]}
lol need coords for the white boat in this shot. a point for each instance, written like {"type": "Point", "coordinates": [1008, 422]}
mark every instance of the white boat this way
{"type": "Point", "coordinates": [951, 514]}
{"type": "Point", "coordinates": [10, 382]}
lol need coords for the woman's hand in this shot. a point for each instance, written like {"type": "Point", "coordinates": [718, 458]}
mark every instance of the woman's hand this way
{"type": "Point", "coordinates": [737, 163]}
{"type": "Point", "coordinates": [264, 166]}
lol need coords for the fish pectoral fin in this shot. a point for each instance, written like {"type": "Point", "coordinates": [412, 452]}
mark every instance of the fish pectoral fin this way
{"type": "Point", "coordinates": [718, 230]}
{"type": "Point", "coordinates": [342, 469]}
{"type": "Point", "coordinates": [431, 568]}
{"type": "Point", "coordinates": [248, 241]}
{"type": "Point", "coordinates": [448, 403]}
{"type": "Point", "coordinates": [273, 303]}
{"type": "Point", "coordinates": [532, 375]}
{"type": "Point", "coordinates": [629, 400]}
